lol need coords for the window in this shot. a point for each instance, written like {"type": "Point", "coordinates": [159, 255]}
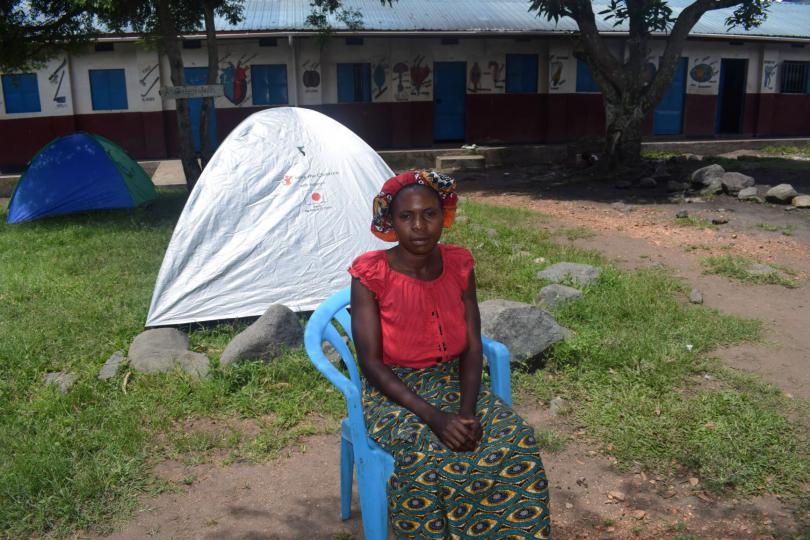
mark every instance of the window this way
{"type": "Point", "coordinates": [268, 42]}
{"type": "Point", "coordinates": [795, 77]}
{"type": "Point", "coordinates": [192, 44]}
{"type": "Point", "coordinates": [104, 47]}
{"type": "Point", "coordinates": [354, 83]}
{"type": "Point", "coordinates": [585, 82]}
{"type": "Point", "coordinates": [269, 84]}
{"type": "Point", "coordinates": [108, 89]}
{"type": "Point", "coordinates": [21, 93]}
{"type": "Point", "coordinates": [521, 73]}
{"type": "Point", "coordinates": [354, 40]}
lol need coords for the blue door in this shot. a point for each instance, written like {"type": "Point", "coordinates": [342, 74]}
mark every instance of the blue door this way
{"type": "Point", "coordinates": [194, 77]}
{"type": "Point", "coordinates": [449, 91]}
{"type": "Point", "coordinates": [669, 112]}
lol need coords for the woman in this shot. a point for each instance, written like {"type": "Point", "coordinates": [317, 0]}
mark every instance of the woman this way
{"type": "Point", "coordinates": [466, 465]}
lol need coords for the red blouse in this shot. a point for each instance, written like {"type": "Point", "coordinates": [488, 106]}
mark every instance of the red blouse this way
{"type": "Point", "coordinates": [422, 322]}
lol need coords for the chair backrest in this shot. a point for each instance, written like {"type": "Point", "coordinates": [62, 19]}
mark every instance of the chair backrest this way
{"type": "Point", "coordinates": [321, 328]}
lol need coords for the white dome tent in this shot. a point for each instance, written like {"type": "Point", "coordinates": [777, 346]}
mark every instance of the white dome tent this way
{"type": "Point", "coordinates": [277, 217]}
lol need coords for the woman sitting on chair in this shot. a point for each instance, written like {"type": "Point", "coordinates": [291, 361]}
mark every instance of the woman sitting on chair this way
{"type": "Point", "coordinates": [466, 465]}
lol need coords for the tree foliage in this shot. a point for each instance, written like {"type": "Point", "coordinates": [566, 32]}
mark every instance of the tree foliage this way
{"type": "Point", "coordinates": [628, 95]}
{"type": "Point", "coordinates": [33, 31]}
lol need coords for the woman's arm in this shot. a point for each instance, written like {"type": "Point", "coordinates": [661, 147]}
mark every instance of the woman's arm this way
{"type": "Point", "coordinates": [367, 333]}
{"type": "Point", "coordinates": [471, 360]}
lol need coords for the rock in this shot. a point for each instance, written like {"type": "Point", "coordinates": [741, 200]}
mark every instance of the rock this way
{"type": "Point", "coordinates": [713, 187]}
{"type": "Point", "coordinates": [62, 379]}
{"type": "Point", "coordinates": [661, 171]}
{"type": "Point", "coordinates": [705, 175]}
{"type": "Point", "coordinates": [492, 233]}
{"type": "Point", "coordinates": [578, 273]}
{"type": "Point", "coordinates": [747, 194]}
{"type": "Point", "coordinates": [331, 353]}
{"type": "Point", "coordinates": [539, 260]}
{"type": "Point", "coordinates": [526, 330]}
{"type": "Point", "coordinates": [193, 363]}
{"type": "Point", "coordinates": [733, 182]}
{"type": "Point", "coordinates": [695, 296]}
{"type": "Point", "coordinates": [460, 219]}
{"type": "Point", "coordinates": [801, 201]}
{"type": "Point", "coordinates": [111, 366]}
{"type": "Point", "coordinates": [276, 330]}
{"type": "Point", "coordinates": [555, 405]}
{"type": "Point", "coordinates": [682, 214]}
{"type": "Point", "coordinates": [638, 514]}
{"type": "Point", "coordinates": [555, 295]}
{"type": "Point", "coordinates": [164, 349]}
{"type": "Point", "coordinates": [623, 184]}
{"type": "Point", "coordinates": [719, 221]}
{"type": "Point", "coordinates": [617, 495]}
{"type": "Point", "coordinates": [674, 185]}
{"type": "Point", "coordinates": [783, 194]}
{"type": "Point", "coordinates": [647, 182]}
{"type": "Point", "coordinates": [693, 481]}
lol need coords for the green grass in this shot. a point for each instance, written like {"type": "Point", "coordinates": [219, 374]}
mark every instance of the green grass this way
{"type": "Point", "coordinates": [627, 370]}
{"type": "Point", "coordinates": [74, 290]}
{"type": "Point", "coordinates": [695, 221]}
{"type": "Point", "coordinates": [786, 230]}
{"type": "Point", "coordinates": [801, 151]}
{"type": "Point", "coordinates": [739, 268]}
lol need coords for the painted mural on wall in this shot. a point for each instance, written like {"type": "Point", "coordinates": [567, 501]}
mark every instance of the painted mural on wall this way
{"type": "Point", "coordinates": [150, 77]}
{"type": "Point", "coordinates": [401, 81]}
{"type": "Point", "coordinates": [704, 73]}
{"type": "Point", "coordinates": [557, 75]}
{"type": "Point", "coordinates": [421, 80]}
{"type": "Point", "coordinates": [487, 76]}
{"type": "Point", "coordinates": [311, 77]}
{"type": "Point", "coordinates": [379, 80]}
{"type": "Point", "coordinates": [769, 71]}
{"type": "Point", "coordinates": [57, 80]}
{"type": "Point", "coordinates": [234, 78]}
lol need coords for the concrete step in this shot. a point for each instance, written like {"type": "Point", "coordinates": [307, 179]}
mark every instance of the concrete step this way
{"type": "Point", "coordinates": [460, 162]}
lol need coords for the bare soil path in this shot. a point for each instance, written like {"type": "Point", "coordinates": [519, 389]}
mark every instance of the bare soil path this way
{"type": "Point", "coordinates": [296, 496]}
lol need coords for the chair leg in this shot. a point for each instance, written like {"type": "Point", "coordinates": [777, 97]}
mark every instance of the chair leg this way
{"type": "Point", "coordinates": [346, 474]}
{"type": "Point", "coordinates": [374, 508]}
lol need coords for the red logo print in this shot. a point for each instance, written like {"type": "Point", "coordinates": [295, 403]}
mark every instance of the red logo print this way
{"type": "Point", "coordinates": [287, 180]}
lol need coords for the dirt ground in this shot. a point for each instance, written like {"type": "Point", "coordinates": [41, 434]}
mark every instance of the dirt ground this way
{"type": "Point", "coordinates": [296, 496]}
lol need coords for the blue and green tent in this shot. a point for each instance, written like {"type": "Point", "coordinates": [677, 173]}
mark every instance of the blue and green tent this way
{"type": "Point", "coordinates": [76, 173]}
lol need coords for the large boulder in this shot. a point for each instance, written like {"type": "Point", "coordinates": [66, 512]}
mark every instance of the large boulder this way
{"type": "Point", "coordinates": [581, 274]}
{"type": "Point", "coordinates": [801, 201]}
{"type": "Point", "coordinates": [164, 349]}
{"type": "Point", "coordinates": [713, 187]}
{"type": "Point", "coordinates": [278, 329]}
{"type": "Point", "coordinates": [704, 175]}
{"type": "Point", "coordinates": [748, 194]}
{"type": "Point", "coordinates": [783, 194]}
{"type": "Point", "coordinates": [526, 330]}
{"type": "Point", "coordinates": [733, 182]}
{"type": "Point", "coordinates": [555, 294]}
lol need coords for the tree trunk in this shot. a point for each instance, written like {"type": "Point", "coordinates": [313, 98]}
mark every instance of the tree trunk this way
{"type": "Point", "coordinates": [191, 167]}
{"type": "Point", "coordinates": [622, 135]}
{"type": "Point", "coordinates": [213, 69]}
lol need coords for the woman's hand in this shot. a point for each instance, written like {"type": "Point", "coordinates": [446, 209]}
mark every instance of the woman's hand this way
{"type": "Point", "coordinates": [458, 433]}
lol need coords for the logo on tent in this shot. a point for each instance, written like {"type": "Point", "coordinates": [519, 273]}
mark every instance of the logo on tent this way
{"type": "Point", "coordinates": [316, 198]}
{"type": "Point", "coordinates": [287, 180]}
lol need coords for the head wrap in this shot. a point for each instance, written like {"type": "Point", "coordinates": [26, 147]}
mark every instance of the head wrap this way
{"type": "Point", "coordinates": [445, 186]}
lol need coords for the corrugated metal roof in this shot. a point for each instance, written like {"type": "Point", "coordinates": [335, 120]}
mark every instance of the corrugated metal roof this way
{"type": "Point", "coordinates": [784, 19]}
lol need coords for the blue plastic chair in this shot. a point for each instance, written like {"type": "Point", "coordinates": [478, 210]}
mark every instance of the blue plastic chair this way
{"type": "Point", "coordinates": [374, 465]}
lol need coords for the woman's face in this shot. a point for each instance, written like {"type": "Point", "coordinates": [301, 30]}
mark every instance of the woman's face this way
{"type": "Point", "coordinates": [417, 218]}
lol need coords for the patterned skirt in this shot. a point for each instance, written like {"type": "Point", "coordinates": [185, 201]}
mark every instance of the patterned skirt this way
{"type": "Point", "coordinates": [497, 491]}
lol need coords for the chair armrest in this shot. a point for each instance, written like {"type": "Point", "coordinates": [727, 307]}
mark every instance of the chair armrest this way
{"type": "Point", "coordinates": [499, 368]}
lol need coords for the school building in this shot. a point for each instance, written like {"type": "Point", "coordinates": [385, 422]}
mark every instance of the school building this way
{"type": "Point", "coordinates": [419, 74]}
